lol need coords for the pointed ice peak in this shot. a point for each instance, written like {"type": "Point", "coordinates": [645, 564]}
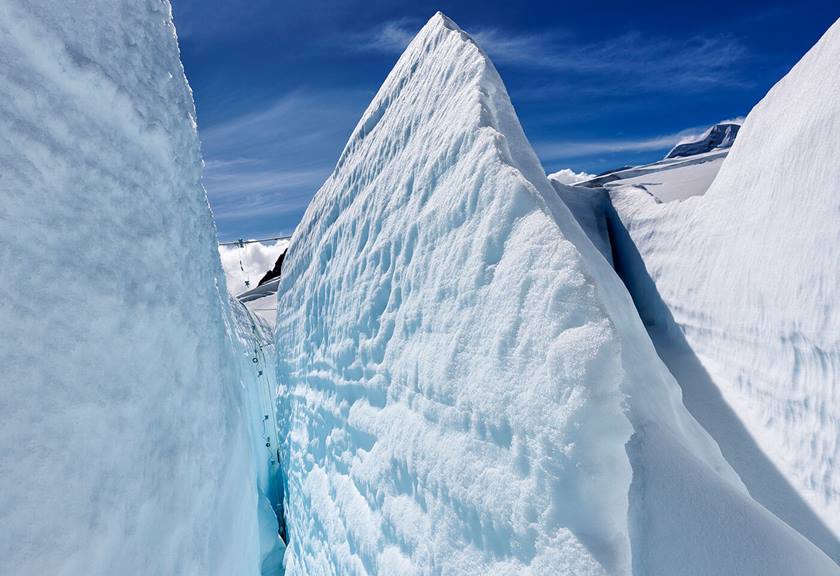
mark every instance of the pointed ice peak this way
{"type": "Point", "coordinates": [441, 19]}
{"type": "Point", "coordinates": [443, 78]}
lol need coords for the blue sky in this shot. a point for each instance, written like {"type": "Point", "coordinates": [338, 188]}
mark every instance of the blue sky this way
{"type": "Point", "coordinates": [279, 86]}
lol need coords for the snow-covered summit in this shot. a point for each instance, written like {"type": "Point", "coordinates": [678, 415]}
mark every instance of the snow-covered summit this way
{"type": "Point", "coordinates": [467, 386]}
{"type": "Point", "coordinates": [718, 137]}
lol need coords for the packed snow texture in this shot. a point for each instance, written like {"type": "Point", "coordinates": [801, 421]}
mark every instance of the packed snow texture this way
{"type": "Point", "coordinates": [250, 263]}
{"type": "Point", "coordinates": [124, 446]}
{"type": "Point", "coordinates": [466, 385]}
{"type": "Point", "coordinates": [750, 274]}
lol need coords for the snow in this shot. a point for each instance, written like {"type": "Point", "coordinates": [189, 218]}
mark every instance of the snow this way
{"type": "Point", "coordinates": [466, 386]}
{"type": "Point", "coordinates": [666, 180]}
{"type": "Point", "coordinates": [256, 355]}
{"type": "Point", "coordinates": [740, 287]}
{"type": "Point", "coordinates": [125, 444]}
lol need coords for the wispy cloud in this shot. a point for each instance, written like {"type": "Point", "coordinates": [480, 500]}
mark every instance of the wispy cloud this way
{"type": "Point", "coordinates": [632, 60]}
{"type": "Point", "coordinates": [551, 151]}
{"type": "Point", "coordinates": [234, 178]}
{"type": "Point", "coordinates": [263, 165]}
{"type": "Point", "coordinates": [390, 37]}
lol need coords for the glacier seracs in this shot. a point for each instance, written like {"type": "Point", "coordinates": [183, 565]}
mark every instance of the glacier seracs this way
{"type": "Point", "coordinates": [740, 287]}
{"type": "Point", "coordinates": [466, 386]}
{"type": "Point", "coordinates": [125, 446]}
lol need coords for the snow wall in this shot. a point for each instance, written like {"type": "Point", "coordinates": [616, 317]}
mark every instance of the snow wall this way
{"type": "Point", "coordinates": [466, 387]}
{"type": "Point", "coordinates": [750, 274]}
{"type": "Point", "coordinates": [127, 392]}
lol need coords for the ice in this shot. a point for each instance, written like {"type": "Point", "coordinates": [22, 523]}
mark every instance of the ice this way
{"type": "Point", "coordinates": [740, 288]}
{"type": "Point", "coordinates": [256, 353]}
{"type": "Point", "coordinates": [466, 386]}
{"type": "Point", "coordinates": [125, 419]}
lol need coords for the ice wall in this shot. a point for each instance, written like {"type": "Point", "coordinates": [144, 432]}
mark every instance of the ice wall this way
{"type": "Point", "coordinates": [124, 441]}
{"type": "Point", "coordinates": [750, 273]}
{"type": "Point", "coordinates": [466, 385]}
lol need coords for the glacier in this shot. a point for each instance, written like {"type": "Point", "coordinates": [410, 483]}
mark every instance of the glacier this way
{"type": "Point", "coordinates": [473, 368]}
{"type": "Point", "coordinates": [130, 419]}
{"type": "Point", "coordinates": [465, 384]}
{"type": "Point", "coordinates": [739, 287]}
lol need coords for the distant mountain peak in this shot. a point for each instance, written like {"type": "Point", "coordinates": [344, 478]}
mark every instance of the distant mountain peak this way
{"type": "Point", "coordinates": [719, 136]}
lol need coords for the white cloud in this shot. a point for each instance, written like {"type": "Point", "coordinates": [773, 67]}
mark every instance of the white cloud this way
{"type": "Point", "coordinates": [569, 176]}
{"type": "Point", "coordinates": [249, 263]}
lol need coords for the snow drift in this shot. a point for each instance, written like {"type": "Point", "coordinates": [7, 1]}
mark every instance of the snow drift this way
{"type": "Point", "coordinates": [750, 273]}
{"type": "Point", "coordinates": [466, 385]}
{"type": "Point", "coordinates": [124, 441]}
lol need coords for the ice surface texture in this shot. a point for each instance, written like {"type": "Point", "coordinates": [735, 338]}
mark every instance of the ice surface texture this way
{"type": "Point", "coordinates": [751, 274]}
{"type": "Point", "coordinates": [466, 385]}
{"type": "Point", "coordinates": [124, 447]}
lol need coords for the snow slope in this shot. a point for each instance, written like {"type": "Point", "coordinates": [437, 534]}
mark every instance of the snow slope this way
{"type": "Point", "coordinates": [666, 180]}
{"type": "Point", "coordinates": [750, 273]}
{"type": "Point", "coordinates": [466, 386]}
{"type": "Point", "coordinates": [124, 434]}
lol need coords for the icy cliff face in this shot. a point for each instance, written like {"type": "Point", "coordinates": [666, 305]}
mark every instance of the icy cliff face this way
{"type": "Point", "coordinates": [749, 273]}
{"type": "Point", "coordinates": [124, 446]}
{"type": "Point", "coordinates": [467, 387]}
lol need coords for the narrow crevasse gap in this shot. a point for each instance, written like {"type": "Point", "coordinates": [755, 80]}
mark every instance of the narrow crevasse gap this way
{"type": "Point", "coordinates": [258, 367]}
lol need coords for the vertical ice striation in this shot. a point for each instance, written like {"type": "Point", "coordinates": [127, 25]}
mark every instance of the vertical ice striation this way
{"type": "Point", "coordinates": [466, 385]}
{"type": "Point", "coordinates": [750, 273]}
{"type": "Point", "coordinates": [124, 447]}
